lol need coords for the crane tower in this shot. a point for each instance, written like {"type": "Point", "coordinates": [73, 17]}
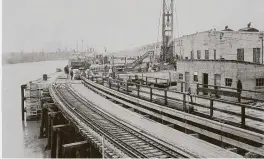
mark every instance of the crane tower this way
{"type": "Point", "coordinates": [167, 48]}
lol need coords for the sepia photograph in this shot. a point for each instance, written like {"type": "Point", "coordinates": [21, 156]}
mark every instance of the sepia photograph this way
{"type": "Point", "coordinates": [132, 79]}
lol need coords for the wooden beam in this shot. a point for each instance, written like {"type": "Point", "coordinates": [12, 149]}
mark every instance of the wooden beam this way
{"type": "Point", "coordinates": [75, 144]}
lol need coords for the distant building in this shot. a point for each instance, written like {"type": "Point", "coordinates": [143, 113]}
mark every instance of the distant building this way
{"type": "Point", "coordinates": [224, 73]}
{"type": "Point", "coordinates": [217, 58]}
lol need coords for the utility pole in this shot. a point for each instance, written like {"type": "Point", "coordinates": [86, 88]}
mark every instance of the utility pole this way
{"type": "Point", "coordinates": [167, 48]}
{"type": "Point", "coordinates": [77, 46]}
{"type": "Point", "coordinates": [82, 46]}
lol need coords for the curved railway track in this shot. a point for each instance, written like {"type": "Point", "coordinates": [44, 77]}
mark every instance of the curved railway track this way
{"type": "Point", "coordinates": [130, 141]}
{"type": "Point", "coordinates": [244, 139]}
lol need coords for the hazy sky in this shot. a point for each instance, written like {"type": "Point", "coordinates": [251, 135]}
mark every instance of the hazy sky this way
{"type": "Point", "coordinates": [116, 24]}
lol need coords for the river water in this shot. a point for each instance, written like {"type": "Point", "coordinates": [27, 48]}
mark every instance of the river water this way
{"type": "Point", "coordinates": [20, 139]}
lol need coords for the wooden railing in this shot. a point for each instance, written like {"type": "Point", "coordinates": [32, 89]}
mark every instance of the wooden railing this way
{"type": "Point", "coordinates": [123, 86]}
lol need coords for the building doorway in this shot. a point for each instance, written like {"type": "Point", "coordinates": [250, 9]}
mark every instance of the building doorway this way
{"type": "Point", "coordinates": [187, 81]}
{"type": "Point", "coordinates": [205, 81]}
{"type": "Point", "coordinates": [217, 80]}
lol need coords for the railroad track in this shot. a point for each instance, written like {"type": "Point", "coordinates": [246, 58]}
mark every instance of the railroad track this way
{"type": "Point", "coordinates": [244, 139]}
{"type": "Point", "coordinates": [130, 141]}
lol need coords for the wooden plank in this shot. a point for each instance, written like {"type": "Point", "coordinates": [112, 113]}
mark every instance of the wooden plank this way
{"type": "Point", "coordinates": [75, 144]}
{"type": "Point", "coordinates": [210, 123]}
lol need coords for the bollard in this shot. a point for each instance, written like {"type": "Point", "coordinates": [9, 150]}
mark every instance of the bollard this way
{"type": "Point", "coordinates": [156, 80]}
{"type": "Point", "coordinates": [146, 80]}
{"type": "Point", "coordinates": [211, 108]}
{"type": "Point", "coordinates": [150, 94]}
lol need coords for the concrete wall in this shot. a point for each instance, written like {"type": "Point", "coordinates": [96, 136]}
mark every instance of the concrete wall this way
{"type": "Point", "coordinates": [208, 40]}
{"type": "Point", "coordinates": [247, 73]}
{"type": "Point", "coordinates": [226, 46]}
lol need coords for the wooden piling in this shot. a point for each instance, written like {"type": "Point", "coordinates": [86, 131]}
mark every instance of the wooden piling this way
{"type": "Point", "coordinates": [41, 131]}
{"type": "Point", "coordinates": [23, 101]}
{"type": "Point", "coordinates": [58, 143]}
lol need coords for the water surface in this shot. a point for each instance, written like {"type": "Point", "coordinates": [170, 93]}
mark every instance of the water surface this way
{"type": "Point", "coordinates": [21, 140]}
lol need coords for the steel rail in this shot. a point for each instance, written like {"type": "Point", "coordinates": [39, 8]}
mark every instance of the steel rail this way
{"type": "Point", "coordinates": [163, 149]}
{"type": "Point", "coordinates": [93, 125]}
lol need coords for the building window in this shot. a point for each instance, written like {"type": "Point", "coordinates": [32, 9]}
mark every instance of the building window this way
{"type": "Point", "coordinates": [260, 82]}
{"type": "Point", "coordinates": [206, 54]}
{"type": "Point", "coordinates": [256, 55]}
{"type": "Point", "coordinates": [195, 77]}
{"type": "Point", "coordinates": [214, 54]}
{"type": "Point", "coordinates": [198, 54]}
{"type": "Point", "coordinates": [192, 55]}
{"type": "Point", "coordinates": [228, 82]}
{"type": "Point", "coordinates": [180, 76]}
{"type": "Point", "coordinates": [240, 54]}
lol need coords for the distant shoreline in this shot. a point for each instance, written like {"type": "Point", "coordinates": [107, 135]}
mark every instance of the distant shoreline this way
{"type": "Point", "coordinates": [6, 63]}
{"type": "Point", "coordinates": [15, 58]}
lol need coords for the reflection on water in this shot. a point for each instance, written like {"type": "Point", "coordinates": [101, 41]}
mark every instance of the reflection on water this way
{"type": "Point", "coordinates": [20, 139]}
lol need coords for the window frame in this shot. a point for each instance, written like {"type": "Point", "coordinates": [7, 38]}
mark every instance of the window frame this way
{"type": "Point", "coordinates": [240, 50]}
{"type": "Point", "coordinates": [214, 54]}
{"type": "Point", "coordinates": [206, 54]}
{"type": "Point", "coordinates": [180, 76]}
{"type": "Point", "coordinates": [228, 81]}
{"type": "Point", "coordinates": [195, 77]}
{"type": "Point", "coordinates": [256, 60]}
{"type": "Point", "coordinates": [198, 54]}
{"type": "Point", "coordinates": [259, 82]}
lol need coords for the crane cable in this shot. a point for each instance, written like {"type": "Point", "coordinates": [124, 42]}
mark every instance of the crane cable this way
{"type": "Point", "coordinates": [177, 24]}
{"type": "Point", "coordinates": [161, 7]}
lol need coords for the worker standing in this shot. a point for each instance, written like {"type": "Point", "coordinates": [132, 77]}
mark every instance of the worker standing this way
{"type": "Point", "coordinates": [66, 70]}
{"type": "Point", "coordinates": [71, 73]}
{"type": "Point", "coordinates": [190, 94]}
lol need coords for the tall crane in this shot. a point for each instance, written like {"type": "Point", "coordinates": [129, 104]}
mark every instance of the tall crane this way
{"type": "Point", "coordinates": [167, 48]}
